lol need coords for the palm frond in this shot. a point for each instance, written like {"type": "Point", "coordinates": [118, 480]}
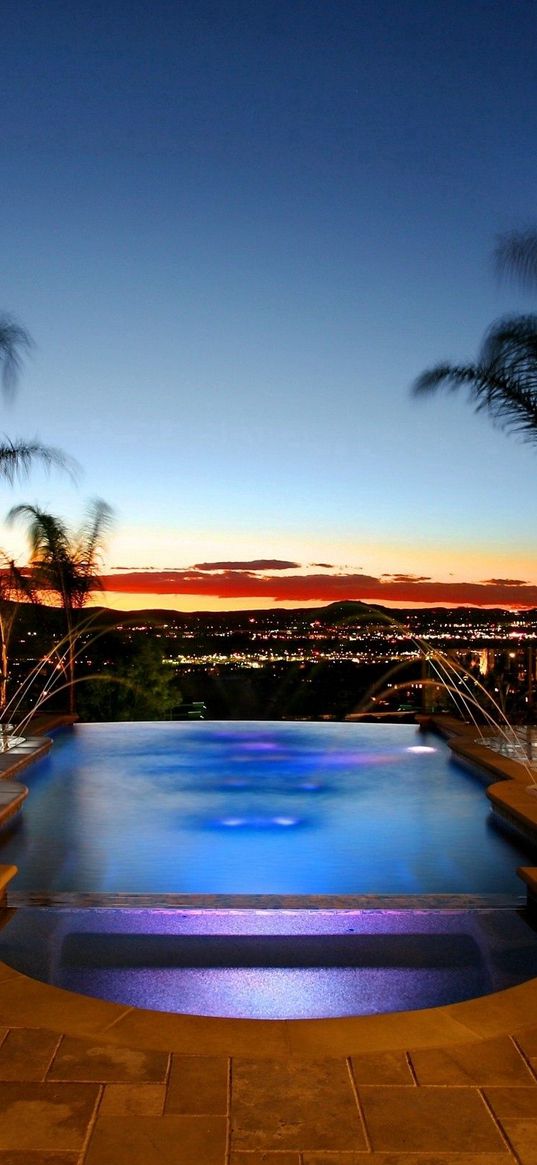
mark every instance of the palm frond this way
{"type": "Point", "coordinates": [14, 341]}
{"type": "Point", "coordinates": [98, 522]}
{"type": "Point", "coordinates": [516, 254]}
{"type": "Point", "coordinates": [17, 458]}
{"type": "Point", "coordinates": [510, 349]}
{"type": "Point", "coordinates": [503, 381]}
{"type": "Point", "coordinates": [450, 376]}
{"type": "Point", "coordinates": [47, 535]}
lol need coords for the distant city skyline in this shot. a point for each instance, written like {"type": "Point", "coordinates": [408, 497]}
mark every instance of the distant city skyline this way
{"type": "Point", "coordinates": [237, 233]}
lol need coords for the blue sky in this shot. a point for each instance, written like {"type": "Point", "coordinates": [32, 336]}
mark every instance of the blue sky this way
{"type": "Point", "coordinates": [237, 233]}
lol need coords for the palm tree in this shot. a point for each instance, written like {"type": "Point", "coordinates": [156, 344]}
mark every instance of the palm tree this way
{"type": "Point", "coordinates": [16, 457]}
{"type": "Point", "coordinates": [65, 564]}
{"type": "Point", "coordinates": [15, 587]}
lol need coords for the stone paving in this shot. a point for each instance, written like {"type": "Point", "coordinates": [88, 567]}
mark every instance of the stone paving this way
{"type": "Point", "coordinates": [65, 1100]}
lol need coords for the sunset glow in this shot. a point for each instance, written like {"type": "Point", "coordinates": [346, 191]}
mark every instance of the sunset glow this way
{"type": "Point", "coordinates": [232, 589]}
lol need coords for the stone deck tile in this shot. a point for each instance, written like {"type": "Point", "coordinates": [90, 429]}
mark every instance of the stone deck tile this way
{"type": "Point", "coordinates": [7, 973]}
{"type": "Point", "coordinates": [166, 1140]}
{"type": "Point", "coordinates": [265, 1158]}
{"type": "Point", "coordinates": [133, 1099]}
{"type": "Point", "coordinates": [522, 1136]}
{"type": "Point", "coordinates": [515, 1102]}
{"type": "Point", "coordinates": [25, 1054]}
{"type": "Point", "coordinates": [53, 1117]}
{"type": "Point", "coordinates": [403, 1158]}
{"type": "Point", "coordinates": [527, 1041]}
{"type": "Point", "coordinates": [38, 1158]}
{"type": "Point", "coordinates": [337, 1158]}
{"type": "Point", "coordinates": [198, 1085]}
{"type": "Point", "coordinates": [78, 1059]}
{"type": "Point", "coordinates": [382, 1068]}
{"type": "Point", "coordinates": [433, 1120]}
{"type": "Point", "coordinates": [495, 1061]}
{"type": "Point", "coordinates": [294, 1104]}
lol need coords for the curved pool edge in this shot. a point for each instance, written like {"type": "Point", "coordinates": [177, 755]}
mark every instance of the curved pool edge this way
{"type": "Point", "coordinates": [27, 1002]}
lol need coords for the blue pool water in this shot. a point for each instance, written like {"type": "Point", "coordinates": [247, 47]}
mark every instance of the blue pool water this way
{"type": "Point", "coordinates": [267, 808]}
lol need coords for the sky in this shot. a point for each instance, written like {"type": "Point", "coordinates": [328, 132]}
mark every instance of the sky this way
{"type": "Point", "coordinates": [236, 233]}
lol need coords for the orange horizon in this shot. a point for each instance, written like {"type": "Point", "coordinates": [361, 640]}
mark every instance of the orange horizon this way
{"type": "Point", "coordinates": [234, 588]}
{"type": "Point", "coordinates": [132, 602]}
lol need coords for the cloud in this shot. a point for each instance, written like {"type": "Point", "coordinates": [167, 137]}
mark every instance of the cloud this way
{"type": "Point", "coordinates": [254, 565]}
{"type": "Point", "coordinates": [324, 565]}
{"type": "Point", "coordinates": [504, 582]}
{"type": "Point", "coordinates": [404, 578]}
{"type": "Point", "coordinates": [401, 589]}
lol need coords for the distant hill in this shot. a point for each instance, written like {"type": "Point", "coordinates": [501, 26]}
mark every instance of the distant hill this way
{"type": "Point", "coordinates": [331, 614]}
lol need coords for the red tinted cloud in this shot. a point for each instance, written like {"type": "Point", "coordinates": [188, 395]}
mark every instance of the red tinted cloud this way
{"type": "Point", "coordinates": [504, 582]}
{"type": "Point", "coordinates": [406, 578]}
{"type": "Point", "coordinates": [254, 565]}
{"type": "Point", "coordinates": [323, 588]}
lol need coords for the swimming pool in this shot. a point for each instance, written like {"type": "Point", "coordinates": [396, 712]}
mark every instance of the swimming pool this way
{"type": "Point", "coordinates": [225, 808]}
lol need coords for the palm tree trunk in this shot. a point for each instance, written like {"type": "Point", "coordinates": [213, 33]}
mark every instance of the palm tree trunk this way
{"type": "Point", "coordinates": [72, 699]}
{"type": "Point", "coordinates": [71, 657]}
{"type": "Point", "coordinates": [4, 664]}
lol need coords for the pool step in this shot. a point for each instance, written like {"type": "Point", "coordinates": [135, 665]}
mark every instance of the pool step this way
{"type": "Point", "coordinates": [98, 950]}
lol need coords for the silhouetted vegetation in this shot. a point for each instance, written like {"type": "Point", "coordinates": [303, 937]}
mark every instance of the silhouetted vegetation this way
{"type": "Point", "coordinates": [503, 379]}
{"type": "Point", "coordinates": [17, 457]}
{"type": "Point", "coordinates": [132, 682]}
{"type": "Point", "coordinates": [63, 568]}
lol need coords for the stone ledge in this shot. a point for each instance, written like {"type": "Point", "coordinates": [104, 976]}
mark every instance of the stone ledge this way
{"type": "Point", "coordinates": [12, 798]}
{"type": "Point", "coordinates": [22, 755]}
{"type": "Point", "coordinates": [516, 802]}
{"type": "Point", "coordinates": [529, 876]}
{"type": "Point", "coordinates": [25, 1002]}
{"type": "Point", "coordinates": [488, 761]}
{"type": "Point", "coordinates": [466, 741]}
{"type": "Point", "coordinates": [6, 874]}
